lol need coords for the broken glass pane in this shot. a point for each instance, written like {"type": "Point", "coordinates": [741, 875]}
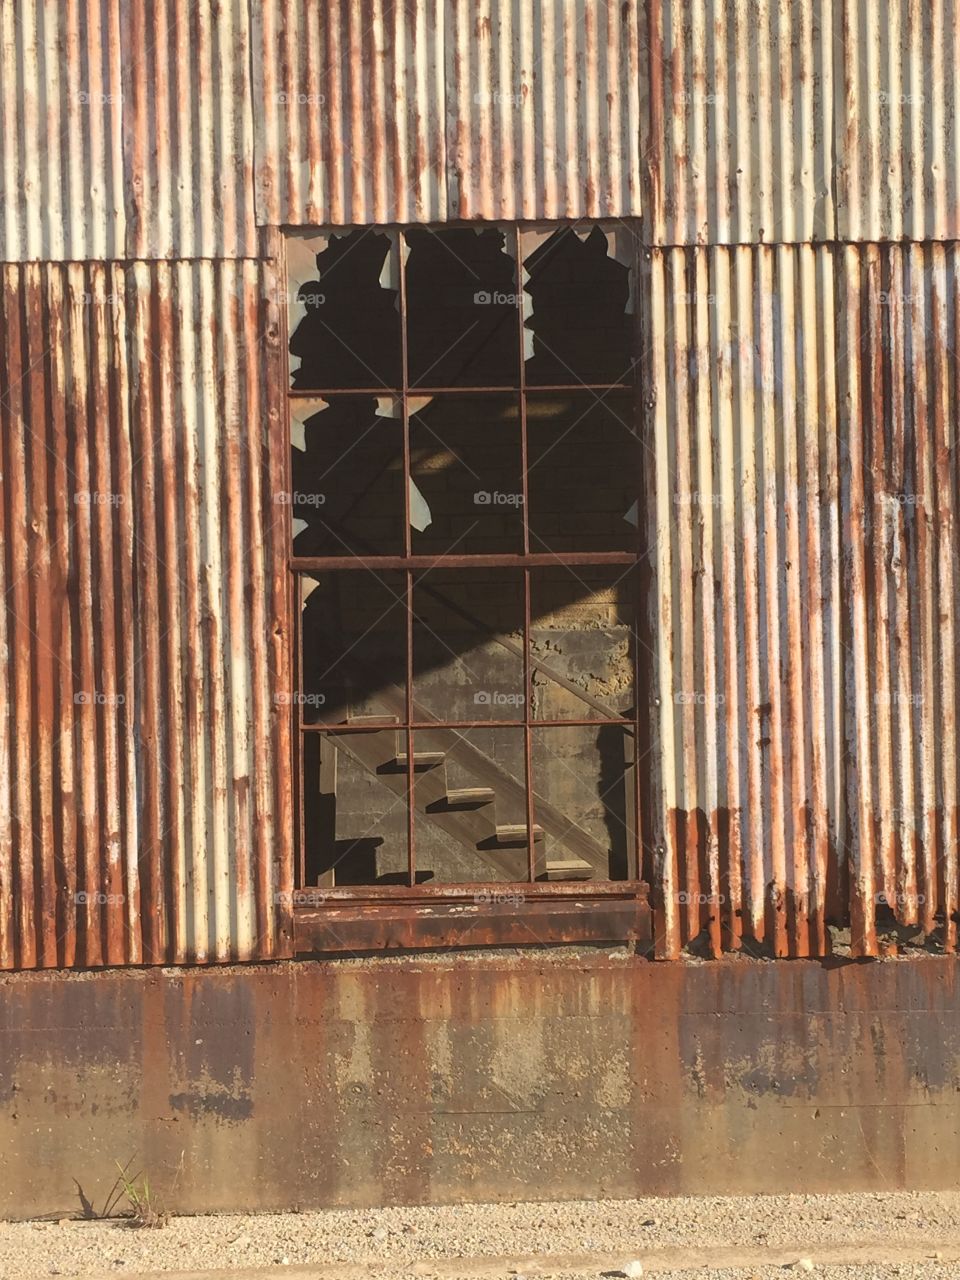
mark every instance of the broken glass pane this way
{"type": "Point", "coordinates": [584, 786]}
{"type": "Point", "coordinates": [347, 476]}
{"type": "Point", "coordinates": [355, 813]}
{"type": "Point", "coordinates": [345, 326]}
{"type": "Point", "coordinates": [353, 647]}
{"type": "Point", "coordinates": [465, 462]}
{"type": "Point", "coordinates": [583, 471]}
{"type": "Point", "coordinates": [470, 805]}
{"type": "Point", "coordinates": [578, 307]}
{"type": "Point", "coordinates": [583, 641]}
{"type": "Point", "coordinates": [462, 317]}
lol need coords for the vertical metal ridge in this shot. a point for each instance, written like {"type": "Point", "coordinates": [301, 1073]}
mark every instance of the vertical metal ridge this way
{"type": "Point", "coordinates": [8, 723]}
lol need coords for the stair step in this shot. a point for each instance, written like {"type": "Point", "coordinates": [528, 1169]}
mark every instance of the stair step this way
{"type": "Point", "coordinates": [568, 869]}
{"type": "Point", "coordinates": [374, 721]}
{"type": "Point", "coordinates": [469, 797]}
{"type": "Point", "coordinates": [422, 759]}
{"type": "Point", "coordinates": [516, 833]}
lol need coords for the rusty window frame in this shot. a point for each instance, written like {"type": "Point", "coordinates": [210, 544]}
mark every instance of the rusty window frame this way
{"type": "Point", "coordinates": [360, 918]}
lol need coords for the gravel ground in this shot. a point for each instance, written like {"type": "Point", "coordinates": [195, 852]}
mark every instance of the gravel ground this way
{"type": "Point", "coordinates": [392, 1240]}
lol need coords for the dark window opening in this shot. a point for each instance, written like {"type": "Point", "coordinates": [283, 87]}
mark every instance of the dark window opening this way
{"type": "Point", "coordinates": [349, 335]}
{"type": "Point", "coordinates": [466, 538]}
{"type": "Point", "coordinates": [461, 309]}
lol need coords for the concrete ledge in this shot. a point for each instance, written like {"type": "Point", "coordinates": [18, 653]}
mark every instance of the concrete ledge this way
{"type": "Point", "coordinates": [548, 1074]}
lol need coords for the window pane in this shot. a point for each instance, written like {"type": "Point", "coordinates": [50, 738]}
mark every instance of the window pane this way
{"type": "Point", "coordinates": [583, 642]}
{"type": "Point", "coordinates": [462, 308]}
{"type": "Point", "coordinates": [348, 477]}
{"type": "Point", "coordinates": [468, 644]}
{"type": "Point", "coordinates": [584, 471]}
{"type": "Point", "coordinates": [353, 647]}
{"type": "Point", "coordinates": [470, 819]}
{"type": "Point", "coordinates": [584, 787]}
{"type": "Point", "coordinates": [579, 307]}
{"type": "Point", "coordinates": [467, 492]}
{"type": "Point", "coordinates": [345, 325]}
{"type": "Point", "coordinates": [355, 825]}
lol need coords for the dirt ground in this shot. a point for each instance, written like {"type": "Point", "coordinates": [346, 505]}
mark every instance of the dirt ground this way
{"type": "Point", "coordinates": [850, 1237]}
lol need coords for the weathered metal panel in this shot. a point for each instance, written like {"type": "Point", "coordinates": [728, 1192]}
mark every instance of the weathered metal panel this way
{"type": "Point", "coordinates": [898, 143]}
{"type": "Point", "coordinates": [803, 409]}
{"type": "Point", "coordinates": [188, 129]}
{"type": "Point", "coordinates": [745, 523]}
{"type": "Point", "coordinates": [144, 810]}
{"type": "Point", "coordinates": [126, 130]}
{"type": "Point", "coordinates": [738, 141]}
{"type": "Point", "coordinates": [898, 390]}
{"type": "Point", "coordinates": [384, 111]}
{"type": "Point", "coordinates": [61, 161]}
{"type": "Point", "coordinates": [69, 890]}
{"type": "Point", "coordinates": [781, 122]}
{"type": "Point", "coordinates": [129, 130]}
{"type": "Point", "coordinates": [204, 386]}
{"type": "Point", "coordinates": [350, 108]}
{"type": "Point", "coordinates": [543, 108]}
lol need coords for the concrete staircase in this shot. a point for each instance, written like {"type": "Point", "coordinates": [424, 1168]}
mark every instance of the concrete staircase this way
{"type": "Point", "coordinates": [469, 814]}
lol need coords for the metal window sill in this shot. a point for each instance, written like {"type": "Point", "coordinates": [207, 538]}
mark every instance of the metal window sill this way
{"type": "Point", "coordinates": [502, 916]}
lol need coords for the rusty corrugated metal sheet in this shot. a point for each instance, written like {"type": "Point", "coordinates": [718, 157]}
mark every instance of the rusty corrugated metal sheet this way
{"type": "Point", "coordinates": [144, 807]}
{"type": "Point", "coordinates": [746, 522]}
{"type": "Point", "coordinates": [61, 161]}
{"type": "Point", "coordinates": [738, 121]}
{"type": "Point", "coordinates": [126, 130]}
{"type": "Point", "coordinates": [188, 129]}
{"type": "Point", "coordinates": [543, 108]}
{"type": "Point", "coordinates": [350, 107]}
{"type": "Point", "coordinates": [68, 815]}
{"type": "Point", "coordinates": [898, 142]}
{"type": "Point", "coordinates": [382, 111]}
{"type": "Point", "coordinates": [803, 405]}
{"type": "Point", "coordinates": [129, 130]}
{"type": "Point", "coordinates": [782, 122]}
{"type": "Point", "coordinates": [899, 388]}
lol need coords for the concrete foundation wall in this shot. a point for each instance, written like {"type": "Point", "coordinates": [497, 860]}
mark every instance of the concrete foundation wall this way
{"type": "Point", "coordinates": [484, 1076]}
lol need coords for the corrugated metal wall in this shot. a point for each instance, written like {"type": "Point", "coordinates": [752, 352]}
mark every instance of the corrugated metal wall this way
{"type": "Point", "coordinates": [187, 129]}
{"type": "Point", "coordinates": [745, 521]}
{"type": "Point", "coordinates": [61, 160]}
{"type": "Point", "coordinates": [898, 140]}
{"type": "Point", "coordinates": [802, 400]}
{"type": "Point", "coordinates": [389, 111]}
{"type": "Point", "coordinates": [739, 124]}
{"type": "Point", "coordinates": [126, 130]}
{"type": "Point", "coordinates": [143, 800]}
{"type": "Point", "coordinates": [898, 317]}
{"type": "Point", "coordinates": [803, 511]}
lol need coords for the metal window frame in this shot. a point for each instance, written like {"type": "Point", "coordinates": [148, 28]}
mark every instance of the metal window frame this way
{"type": "Point", "coordinates": [359, 918]}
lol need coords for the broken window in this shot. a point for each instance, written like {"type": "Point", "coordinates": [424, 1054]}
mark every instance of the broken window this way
{"type": "Point", "coordinates": [466, 533]}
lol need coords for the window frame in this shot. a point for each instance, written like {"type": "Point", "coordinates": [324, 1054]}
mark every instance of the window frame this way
{"type": "Point", "coordinates": [376, 917]}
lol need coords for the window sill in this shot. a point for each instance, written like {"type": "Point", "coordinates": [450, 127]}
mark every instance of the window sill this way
{"type": "Point", "coordinates": [498, 917]}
